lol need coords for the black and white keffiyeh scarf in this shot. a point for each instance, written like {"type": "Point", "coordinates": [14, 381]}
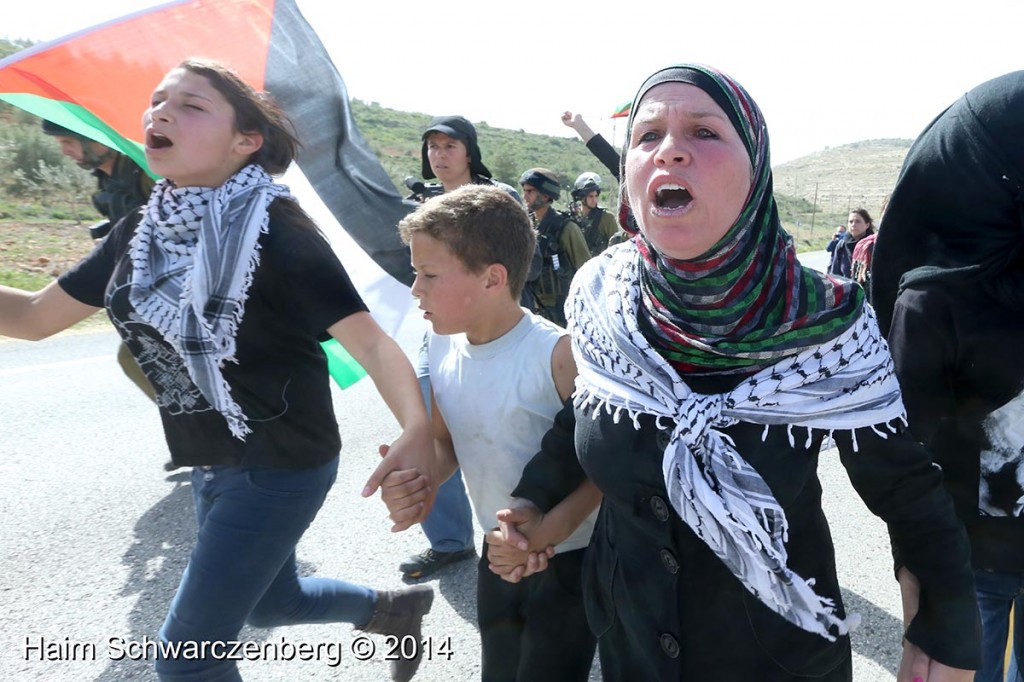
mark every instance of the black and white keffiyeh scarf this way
{"type": "Point", "coordinates": [842, 384]}
{"type": "Point", "coordinates": [193, 257]}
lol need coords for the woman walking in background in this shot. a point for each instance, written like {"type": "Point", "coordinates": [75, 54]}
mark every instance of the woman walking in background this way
{"type": "Point", "coordinates": [858, 226]}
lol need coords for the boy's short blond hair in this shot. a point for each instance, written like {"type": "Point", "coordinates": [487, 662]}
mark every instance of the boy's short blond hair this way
{"type": "Point", "coordinates": [481, 225]}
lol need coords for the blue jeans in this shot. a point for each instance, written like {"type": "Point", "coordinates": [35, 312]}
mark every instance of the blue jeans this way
{"type": "Point", "coordinates": [997, 592]}
{"type": "Point", "coordinates": [449, 526]}
{"type": "Point", "coordinates": [242, 569]}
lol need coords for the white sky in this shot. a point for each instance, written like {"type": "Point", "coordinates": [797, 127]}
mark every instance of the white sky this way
{"type": "Point", "coordinates": [825, 73]}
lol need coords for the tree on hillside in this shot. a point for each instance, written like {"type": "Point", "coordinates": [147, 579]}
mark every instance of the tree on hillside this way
{"type": "Point", "coordinates": [61, 184]}
{"type": "Point", "coordinates": [9, 47]}
{"type": "Point", "coordinates": [31, 165]}
{"type": "Point", "coordinates": [504, 168]}
{"type": "Point", "coordinates": [29, 147]}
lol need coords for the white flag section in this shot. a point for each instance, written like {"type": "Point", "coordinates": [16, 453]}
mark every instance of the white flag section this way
{"type": "Point", "coordinates": [344, 186]}
{"type": "Point", "coordinates": [389, 300]}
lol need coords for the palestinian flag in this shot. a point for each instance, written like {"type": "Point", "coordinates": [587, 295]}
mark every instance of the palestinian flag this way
{"type": "Point", "coordinates": [98, 82]}
{"type": "Point", "coordinates": [622, 111]}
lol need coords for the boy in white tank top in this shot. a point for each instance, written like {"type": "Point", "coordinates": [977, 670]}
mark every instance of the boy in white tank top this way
{"type": "Point", "coordinates": [500, 375]}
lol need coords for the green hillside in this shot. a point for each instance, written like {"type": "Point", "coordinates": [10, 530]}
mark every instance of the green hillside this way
{"type": "Point", "coordinates": [858, 174]}
{"type": "Point", "coordinates": [814, 193]}
{"type": "Point", "coordinates": [834, 181]}
{"type": "Point", "coordinates": [854, 175]}
{"type": "Point", "coordinates": [394, 136]}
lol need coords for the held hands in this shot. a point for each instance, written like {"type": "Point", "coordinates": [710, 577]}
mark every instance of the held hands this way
{"type": "Point", "coordinates": [406, 491]}
{"type": "Point", "coordinates": [916, 665]}
{"type": "Point", "coordinates": [413, 449]}
{"type": "Point", "coordinates": [508, 561]}
{"type": "Point", "coordinates": [519, 547]}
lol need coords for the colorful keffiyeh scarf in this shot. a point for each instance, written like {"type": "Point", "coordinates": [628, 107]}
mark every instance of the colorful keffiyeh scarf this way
{"type": "Point", "coordinates": [193, 257]}
{"type": "Point", "coordinates": [844, 383]}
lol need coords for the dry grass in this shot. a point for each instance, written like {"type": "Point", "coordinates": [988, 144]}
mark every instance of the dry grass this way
{"type": "Point", "coordinates": [840, 178]}
{"type": "Point", "coordinates": [860, 174]}
{"type": "Point", "coordinates": [34, 254]}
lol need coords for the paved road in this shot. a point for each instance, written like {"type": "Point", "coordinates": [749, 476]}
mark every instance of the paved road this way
{"type": "Point", "coordinates": [815, 259]}
{"type": "Point", "coordinates": [96, 535]}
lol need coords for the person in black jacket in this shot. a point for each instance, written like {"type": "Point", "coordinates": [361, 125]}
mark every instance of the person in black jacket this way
{"type": "Point", "coordinates": [948, 278]}
{"type": "Point", "coordinates": [700, 410]}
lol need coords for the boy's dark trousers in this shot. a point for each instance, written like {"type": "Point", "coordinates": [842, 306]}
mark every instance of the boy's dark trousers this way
{"type": "Point", "coordinates": [536, 629]}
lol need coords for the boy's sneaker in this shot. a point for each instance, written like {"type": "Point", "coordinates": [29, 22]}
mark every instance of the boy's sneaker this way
{"type": "Point", "coordinates": [430, 561]}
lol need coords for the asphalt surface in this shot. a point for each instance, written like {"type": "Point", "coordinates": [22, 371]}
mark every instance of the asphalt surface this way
{"type": "Point", "coordinates": [96, 534]}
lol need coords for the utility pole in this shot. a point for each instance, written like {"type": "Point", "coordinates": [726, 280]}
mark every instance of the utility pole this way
{"type": "Point", "coordinates": [815, 209]}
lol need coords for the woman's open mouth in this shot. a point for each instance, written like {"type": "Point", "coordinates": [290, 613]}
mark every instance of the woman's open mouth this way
{"type": "Point", "coordinates": [672, 196]}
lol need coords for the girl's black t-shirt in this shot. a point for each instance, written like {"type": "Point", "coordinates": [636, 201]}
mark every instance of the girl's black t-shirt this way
{"type": "Point", "coordinates": [279, 378]}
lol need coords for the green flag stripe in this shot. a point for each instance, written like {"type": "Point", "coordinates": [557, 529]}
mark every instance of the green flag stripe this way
{"type": "Point", "coordinates": [343, 367]}
{"type": "Point", "coordinates": [79, 119]}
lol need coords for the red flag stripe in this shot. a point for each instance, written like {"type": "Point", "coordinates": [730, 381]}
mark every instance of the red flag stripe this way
{"type": "Point", "coordinates": [135, 54]}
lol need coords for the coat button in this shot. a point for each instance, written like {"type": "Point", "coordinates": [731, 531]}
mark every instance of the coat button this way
{"type": "Point", "coordinates": [670, 646]}
{"type": "Point", "coordinates": [659, 508]}
{"type": "Point", "coordinates": [669, 561]}
{"type": "Point", "coordinates": [662, 439]}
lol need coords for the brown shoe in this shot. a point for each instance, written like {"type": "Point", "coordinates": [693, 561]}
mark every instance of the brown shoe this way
{"type": "Point", "coordinates": [400, 613]}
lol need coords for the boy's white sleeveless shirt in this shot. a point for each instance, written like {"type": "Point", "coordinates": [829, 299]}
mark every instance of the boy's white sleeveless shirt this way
{"type": "Point", "coordinates": [498, 400]}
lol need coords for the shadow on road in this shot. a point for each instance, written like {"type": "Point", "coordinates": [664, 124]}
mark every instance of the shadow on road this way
{"type": "Point", "coordinates": [457, 584]}
{"type": "Point", "coordinates": [458, 587]}
{"type": "Point", "coordinates": [883, 647]}
{"type": "Point", "coordinates": [163, 540]}
{"type": "Point", "coordinates": [155, 560]}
